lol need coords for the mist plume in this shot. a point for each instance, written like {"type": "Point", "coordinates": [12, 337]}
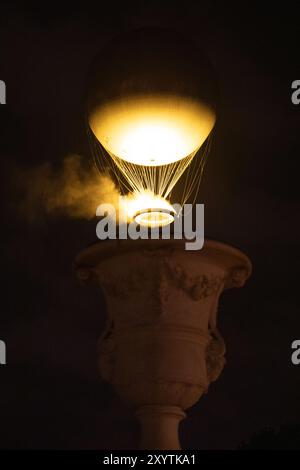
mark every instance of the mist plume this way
{"type": "Point", "coordinates": [72, 191]}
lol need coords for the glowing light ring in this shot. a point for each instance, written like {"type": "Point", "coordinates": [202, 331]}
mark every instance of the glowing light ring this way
{"type": "Point", "coordinates": [154, 217]}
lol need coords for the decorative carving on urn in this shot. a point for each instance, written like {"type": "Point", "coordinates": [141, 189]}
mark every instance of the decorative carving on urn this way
{"type": "Point", "coordinates": [215, 359]}
{"type": "Point", "coordinates": [161, 348]}
{"type": "Point", "coordinates": [106, 352]}
{"type": "Point", "coordinates": [122, 287]}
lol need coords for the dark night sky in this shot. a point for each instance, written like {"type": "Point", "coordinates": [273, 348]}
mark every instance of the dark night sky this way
{"type": "Point", "coordinates": [50, 393]}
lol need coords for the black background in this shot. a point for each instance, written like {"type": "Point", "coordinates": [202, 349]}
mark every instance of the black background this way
{"type": "Point", "coordinates": [50, 393]}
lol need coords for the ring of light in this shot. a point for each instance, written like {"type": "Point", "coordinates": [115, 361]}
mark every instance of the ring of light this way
{"type": "Point", "coordinates": [154, 217]}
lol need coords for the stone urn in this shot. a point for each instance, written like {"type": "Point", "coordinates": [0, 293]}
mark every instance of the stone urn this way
{"type": "Point", "coordinates": [161, 348]}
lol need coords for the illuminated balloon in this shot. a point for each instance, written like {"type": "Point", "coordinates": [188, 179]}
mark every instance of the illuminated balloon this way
{"type": "Point", "coordinates": [151, 105]}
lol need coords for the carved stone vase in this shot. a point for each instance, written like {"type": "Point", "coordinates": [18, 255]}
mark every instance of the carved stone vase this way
{"type": "Point", "coordinates": [161, 348]}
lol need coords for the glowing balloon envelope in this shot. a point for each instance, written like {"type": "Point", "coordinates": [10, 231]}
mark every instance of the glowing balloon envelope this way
{"type": "Point", "coordinates": [151, 105]}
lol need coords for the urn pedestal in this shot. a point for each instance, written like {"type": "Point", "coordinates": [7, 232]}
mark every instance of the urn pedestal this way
{"type": "Point", "coordinates": [161, 348]}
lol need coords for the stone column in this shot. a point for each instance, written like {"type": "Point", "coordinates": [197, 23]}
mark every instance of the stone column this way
{"type": "Point", "coordinates": [161, 348]}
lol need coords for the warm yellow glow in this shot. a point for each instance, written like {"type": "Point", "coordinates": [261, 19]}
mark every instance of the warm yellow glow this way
{"type": "Point", "coordinates": [154, 218]}
{"type": "Point", "coordinates": [149, 210]}
{"type": "Point", "coordinates": [152, 131]}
